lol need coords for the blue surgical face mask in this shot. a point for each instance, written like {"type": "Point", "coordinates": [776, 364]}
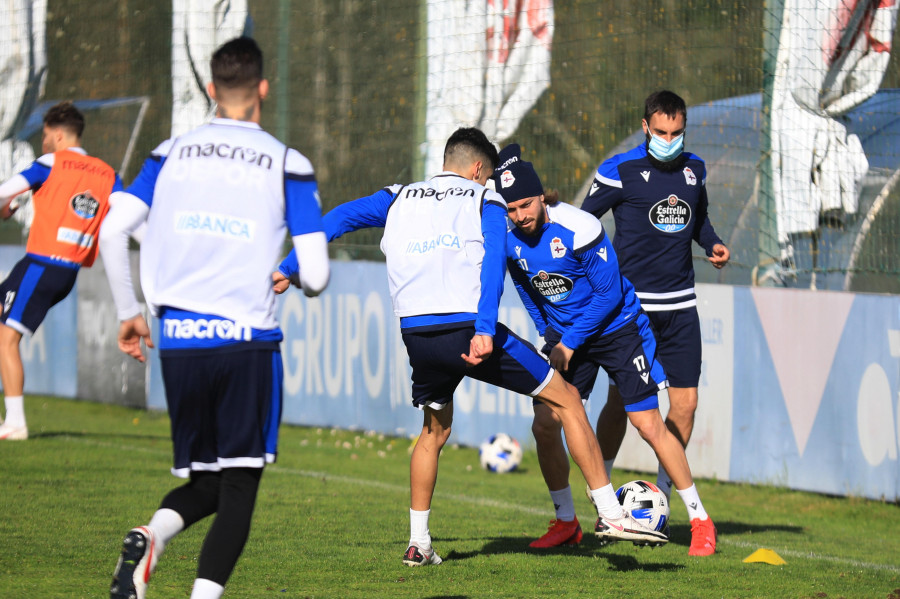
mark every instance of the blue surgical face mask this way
{"type": "Point", "coordinates": [665, 151]}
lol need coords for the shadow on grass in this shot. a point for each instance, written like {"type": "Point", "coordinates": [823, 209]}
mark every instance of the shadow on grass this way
{"type": "Point", "coordinates": [587, 549]}
{"type": "Point", "coordinates": [680, 534]}
{"type": "Point", "coordinates": [96, 436]}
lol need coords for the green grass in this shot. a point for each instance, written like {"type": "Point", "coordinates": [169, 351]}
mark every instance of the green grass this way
{"type": "Point", "coordinates": [332, 521]}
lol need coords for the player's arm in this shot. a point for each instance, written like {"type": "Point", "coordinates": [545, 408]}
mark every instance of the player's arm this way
{"type": "Point", "coordinates": [520, 281]}
{"type": "Point", "coordinates": [605, 191]}
{"type": "Point", "coordinates": [127, 215]}
{"type": "Point", "coordinates": [493, 275]}
{"type": "Point", "coordinates": [367, 212]}
{"type": "Point", "coordinates": [606, 283]}
{"type": "Point", "coordinates": [705, 234]}
{"type": "Point", "coordinates": [30, 179]}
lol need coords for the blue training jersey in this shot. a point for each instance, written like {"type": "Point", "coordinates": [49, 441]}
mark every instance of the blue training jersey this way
{"type": "Point", "coordinates": [568, 276]}
{"type": "Point", "coordinates": [657, 215]}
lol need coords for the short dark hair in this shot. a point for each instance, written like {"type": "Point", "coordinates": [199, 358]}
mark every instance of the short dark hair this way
{"type": "Point", "coordinates": [237, 63]}
{"type": "Point", "coordinates": [666, 102]}
{"type": "Point", "coordinates": [65, 116]}
{"type": "Point", "coordinates": [470, 144]}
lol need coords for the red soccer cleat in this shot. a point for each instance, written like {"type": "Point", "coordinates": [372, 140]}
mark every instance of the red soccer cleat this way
{"type": "Point", "coordinates": [703, 537]}
{"type": "Point", "coordinates": [560, 533]}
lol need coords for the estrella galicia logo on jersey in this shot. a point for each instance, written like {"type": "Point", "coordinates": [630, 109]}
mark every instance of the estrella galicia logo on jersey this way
{"type": "Point", "coordinates": [552, 286]}
{"type": "Point", "coordinates": [557, 248]}
{"type": "Point", "coordinates": [84, 204]}
{"type": "Point", "coordinates": [670, 215]}
{"type": "Point", "coordinates": [689, 177]}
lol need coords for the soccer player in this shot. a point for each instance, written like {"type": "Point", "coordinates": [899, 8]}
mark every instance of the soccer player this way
{"type": "Point", "coordinates": [217, 202]}
{"type": "Point", "coordinates": [444, 241]}
{"type": "Point", "coordinates": [657, 193]}
{"type": "Point", "coordinates": [71, 199]}
{"type": "Point", "coordinates": [565, 270]}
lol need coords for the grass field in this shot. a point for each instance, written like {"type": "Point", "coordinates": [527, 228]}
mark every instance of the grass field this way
{"type": "Point", "coordinates": [332, 521]}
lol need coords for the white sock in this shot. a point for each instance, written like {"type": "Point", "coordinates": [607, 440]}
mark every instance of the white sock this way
{"type": "Point", "coordinates": [609, 466]}
{"type": "Point", "coordinates": [564, 504]}
{"type": "Point", "coordinates": [418, 528]}
{"type": "Point", "coordinates": [206, 589]}
{"type": "Point", "coordinates": [165, 524]}
{"type": "Point", "coordinates": [607, 504]}
{"type": "Point", "coordinates": [15, 411]}
{"type": "Point", "coordinates": [664, 482]}
{"type": "Point", "coordinates": [692, 502]}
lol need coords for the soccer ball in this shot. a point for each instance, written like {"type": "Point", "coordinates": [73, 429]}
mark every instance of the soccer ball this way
{"type": "Point", "coordinates": [500, 453]}
{"type": "Point", "coordinates": [646, 503]}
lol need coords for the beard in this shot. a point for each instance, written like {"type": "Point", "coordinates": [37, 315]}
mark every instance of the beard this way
{"type": "Point", "coordinates": [672, 166]}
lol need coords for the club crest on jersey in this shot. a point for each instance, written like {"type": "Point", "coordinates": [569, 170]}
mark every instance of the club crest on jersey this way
{"type": "Point", "coordinates": [670, 215]}
{"type": "Point", "coordinates": [552, 286]}
{"type": "Point", "coordinates": [507, 179]}
{"type": "Point", "coordinates": [689, 177]}
{"type": "Point", "coordinates": [557, 249]}
{"type": "Point", "coordinates": [84, 204]}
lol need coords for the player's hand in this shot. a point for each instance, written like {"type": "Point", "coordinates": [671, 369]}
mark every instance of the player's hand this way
{"type": "Point", "coordinates": [480, 349]}
{"type": "Point", "coordinates": [560, 356]}
{"type": "Point", "coordinates": [720, 255]}
{"type": "Point", "coordinates": [131, 332]}
{"type": "Point", "coordinates": [9, 209]}
{"type": "Point", "coordinates": [280, 283]}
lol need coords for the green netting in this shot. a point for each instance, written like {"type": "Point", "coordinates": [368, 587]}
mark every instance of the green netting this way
{"type": "Point", "coordinates": [349, 77]}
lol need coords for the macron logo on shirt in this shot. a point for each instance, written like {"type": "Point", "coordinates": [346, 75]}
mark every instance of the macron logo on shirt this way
{"type": "Point", "coordinates": [216, 225]}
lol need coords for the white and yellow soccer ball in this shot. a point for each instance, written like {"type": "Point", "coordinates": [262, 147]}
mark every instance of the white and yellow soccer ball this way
{"type": "Point", "coordinates": [646, 503]}
{"type": "Point", "coordinates": [500, 453]}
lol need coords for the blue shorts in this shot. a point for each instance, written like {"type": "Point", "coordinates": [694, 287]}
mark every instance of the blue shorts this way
{"type": "Point", "coordinates": [628, 355]}
{"type": "Point", "coordinates": [33, 287]}
{"type": "Point", "coordinates": [680, 347]}
{"type": "Point", "coordinates": [225, 406]}
{"type": "Point", "coordinates": [437, 365]}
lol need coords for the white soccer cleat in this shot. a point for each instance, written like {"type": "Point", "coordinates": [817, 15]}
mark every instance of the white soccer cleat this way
{"type": "Point", "coordinates": [417, 556]}
{"type": "Point", "coordinates": [13, 433]}
{"type": "Point", "coordinates": [610, 530]}
{"type": "Point", "coordinates": [137, 562]}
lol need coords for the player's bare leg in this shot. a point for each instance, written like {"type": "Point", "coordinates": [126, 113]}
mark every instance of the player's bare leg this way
{"type": "Point", "coordinates": [551, 452]}
{"type": "Point", "coordinates": [668, 449]}
{"type": "Point", "coordinates": [554, 461]}
{"type": "Point", "coordinates": [12, 374]}
{"type": "Point", "coordinates": [11, 370]}
{"type": "Point", "coordinates": [672, 458]}
{"type": "Point", "coordinates": [611, 425]}
{"type": "Point", "coordinates": [423, 469]}
{"type": "Point", "coordinates": [565, 401]}
{"type": "Point", "coordinates": [680, 418]}
{"type": "Point", "coordinates": [613, 524]}
{"type": "Point", "coordinates": [423, 466]}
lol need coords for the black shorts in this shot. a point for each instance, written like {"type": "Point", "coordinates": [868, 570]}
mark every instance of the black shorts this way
{"type": "Point", "coordinates": [680, 346]}
{"type": "Point", "coordinates": [31, 289]}
{"type": "Point", "coordinates": [437, 365]}
{"type": "Point", "coordinates": [225, 407]}
{"type": "Point", "coordinates": [629, 357]}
